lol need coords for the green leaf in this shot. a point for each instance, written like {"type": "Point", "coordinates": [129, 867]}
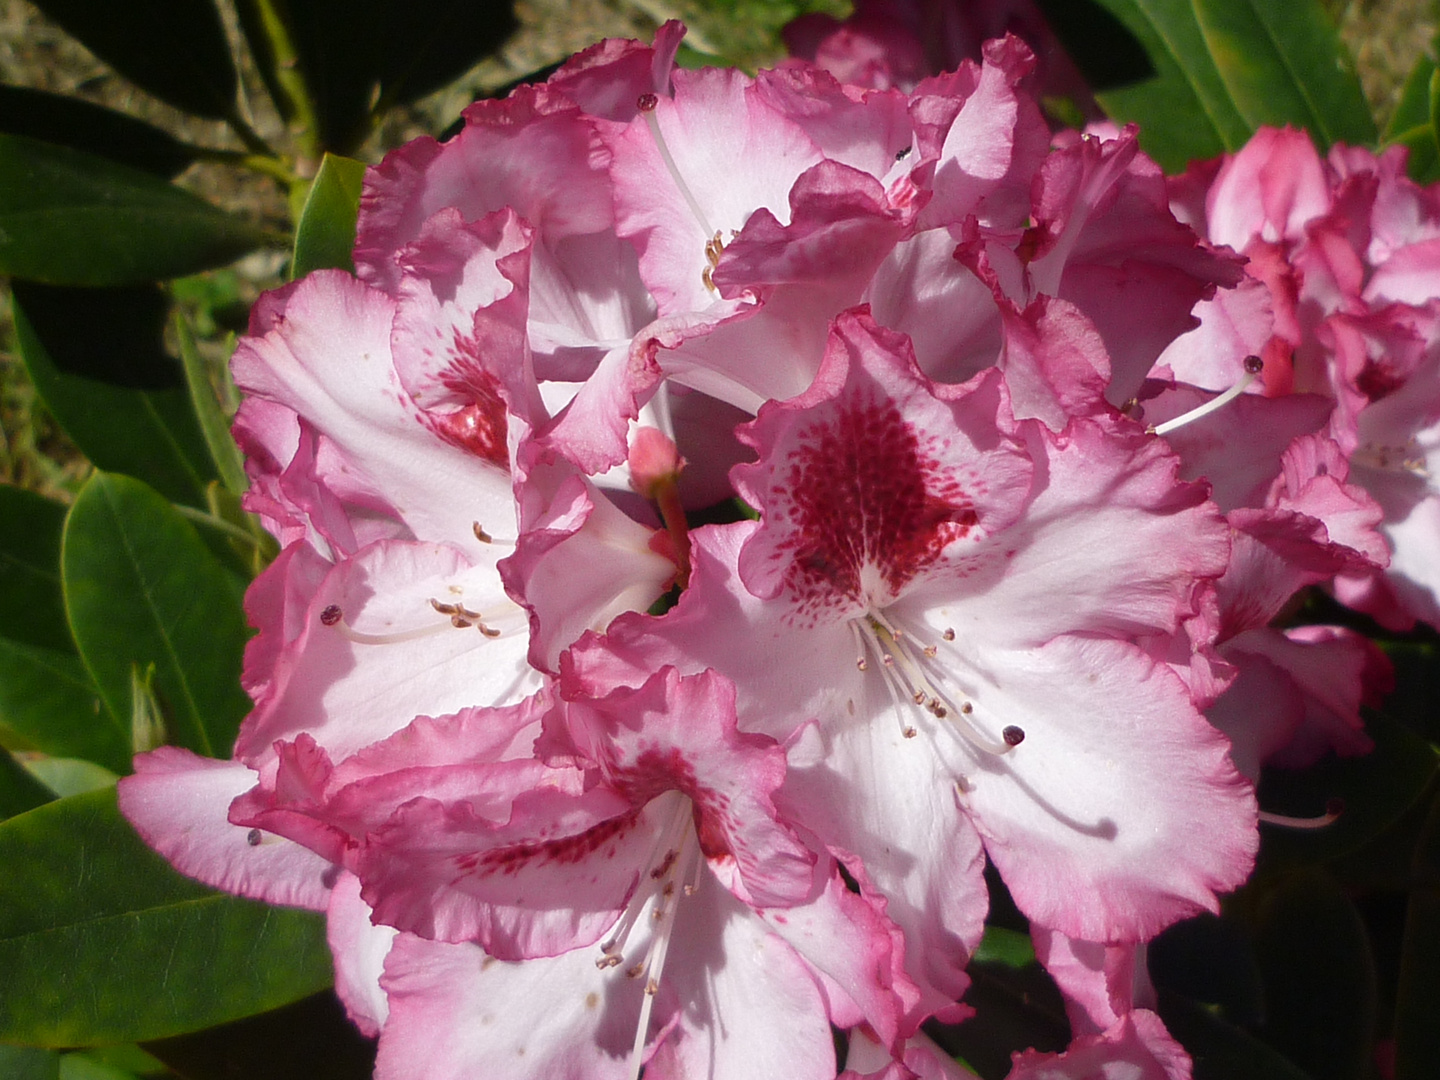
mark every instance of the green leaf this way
{"type": "Point", "coordinates": [1413, 123]}
{"type": "Point", "coordinates": [214, 424]}
{"type": "Point", "coordinates": [29, 1063]}
{"type": "Point", "coordinates": [325, 233]}
{"type": "Point", "coordinates": [1009, 948]}
{"type": "Point", "coordinates": [1319, 977]}
{"type": "Point", "coordinates": [1283, 63]}
{"type": "Point", "coordinates": [140, 588]}
{"type": "Point", "coordinates": [70, 776]}
{"type": "Point", "coordinates": [72, 218]}
{"type": "Point", "coordinates": [359, 57]}
{"type": "Point", "coordinates": [84, 1067]}
{"type": "Point", "coordinates": [1184, 110]}
{"type": "Point", "coordinates": [31, 607]}
{"type": "Point", "coordinates": [49, 701]}
{"type": "Point", "coordinates": [1224, 67]}
{"type": "Point", "coordinates": [95, 129]}
{"type": "Point", "coordinates": [19, 792]}
{"type": "Point", "coordinates": [151, 434]}
{"type": "Point", "coordinates": [1417, 1007]}
{"type": "Point", "coordinates": [101, 941]}
{"type": "Point", "coordinates": [176, 49]}
{"type": "Point", "coordinates": [1376, 790]}
{"type": "Point", "coordinates": [1221, 1050]}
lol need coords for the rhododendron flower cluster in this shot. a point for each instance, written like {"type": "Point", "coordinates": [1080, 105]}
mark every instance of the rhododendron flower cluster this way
{"type": "Point", "coordinates": [1021, 457]}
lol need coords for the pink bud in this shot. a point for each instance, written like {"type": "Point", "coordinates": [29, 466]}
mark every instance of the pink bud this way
{"type": "Point", "coordinates": [653, 460]}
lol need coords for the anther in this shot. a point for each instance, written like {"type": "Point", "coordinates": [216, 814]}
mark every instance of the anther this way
{"type": "Point", "coordinates": [888, 660]}
{"type": "Point", "coordinates": [967, 708]}
{"type": "Point", "coordinates": [481, 534]}
{"type": "Point", "coordinates": [607, 961]}
{"type": "Point", "coordinates": [1013, 735]}
{"type": "Point", "coordinates": [908, 732]}
{"type": "Point", "coordinates": [1253, 367]}
{"type": "Point", "coordinates": [331, 615]}
{"type": "Point", "coordinates": [646, 102]}
{"type": "Point", "coordinates": [930, 651]}
{"type": "Point", "coordinates": [860, 664]}
{"type": "Point", "coordinates": [635, 971]}
{"type": "Point", "coordinates": [903, 154]}
{"type": "Point", "coordinates": [948, 635]}
{"type": "Point", "coordinates": [253, 837]}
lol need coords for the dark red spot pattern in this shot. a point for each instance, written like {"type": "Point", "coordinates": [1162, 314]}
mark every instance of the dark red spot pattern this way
{"type": "Point", "coordinates": [479, 427]}
{"type": "Point", "coordinates": [562, 851]}
{"type": "Point", "coordinates": [861, 491]}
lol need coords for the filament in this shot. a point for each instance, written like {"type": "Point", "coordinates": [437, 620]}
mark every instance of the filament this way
{"type": "Point", "coordinates": [1253, 366]}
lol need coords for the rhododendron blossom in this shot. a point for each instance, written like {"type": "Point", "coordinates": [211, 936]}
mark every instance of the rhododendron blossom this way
{"type": "Point", "coordinates": [1006, 477]}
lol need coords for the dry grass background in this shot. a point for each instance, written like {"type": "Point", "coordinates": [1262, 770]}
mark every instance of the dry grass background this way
{"type": "Point", "coordinates": [1387, 36]}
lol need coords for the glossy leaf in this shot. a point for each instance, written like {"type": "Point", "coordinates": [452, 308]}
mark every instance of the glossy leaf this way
{"type": "Point", "coordinates": [141, 588]}
{"type": "Point", "coordinates": [1224, 67]}
{"type": "Point", "coordinates": [70, 776]}
{"type": "Point", "coordinates": [1184, 110]}
{"type": "Point", "coordinates": [101, 941]}
{"type": "Point", "coordinates": [355, 54]}
{"type": "Point", "coordinates": [82, 125]}
{"type": "Point", "coordinates": [1413, 123]}
{"type": "Point", "coordinates": [175, 49]}
{"type": "Point", "coordinates": [325, 233]}
{"type": "Point", "coordinates": [1283, 63]}
{"type": "Point", "coordinates": [19, 792]}
{"type": "Point", "coordinates": [1417, 1008]}
{"type": "Point", "coordinates": [151, 434]}
{"type": "Point", "coordinates": [72, 218]}
{"type": "Point", "coordinates": [31, 608]}
{"type": "Point", "coordinates": [49, 701]}
{"type": "Point", "coordinates": [1319, 976]}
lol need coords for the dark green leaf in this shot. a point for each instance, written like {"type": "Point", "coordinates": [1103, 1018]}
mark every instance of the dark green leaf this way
{"type": "Point", "coordinates": [1283, 63]}
{"type": "Point", "coordinates": [29, 1063]}
{"type": "Point", "coordinates": [48, 699]}
{"type": "Point", "coordinates": [1224, 67]}
{"type": "Point", "coordinates": [355, 54]}
{"type": "Point", "coordinates": [1009, 948]}
{"type": "Point", "coordinates": [84, 1067]}
{"type": "Point", "coordinates": [176, 49]}
{"type": "Point", "coordinates": [214, 424]}
{"type": "Point", "coordinates": [141, 588]}
{"type": "Point", "coordinates": [31, 608]}
{"type": "Point", "coordinates": [1209, 959]}
{"type": "Point", "coordinates": [1375, 789]}
{"type": "Point", "coordinates": [151, 434]}
{"type": "Point", "coordinates": [1320, 993]}
{"type": "Point", "coordinates": [71, 776]}
{"type": "Point", "coordinates": [1015, 1009]}
{"type": "Point", "coordinates": [101, 941]}
{"type": "Point", "coordinates": [309, 1040]}
{"type": "Point", "coordinates": [116, 335]}
{"type": "Point", "coordinates": [95, 129]}
{"type": "Point", "coordinates": [1184, 110]}
{"type": "Point", "coordinates": [1221, 1050]}
{"type": "Point", "coordinates": [19, 792]}
{"type": "Point", "coordinates": [1417, 1008]}
{"type": "Point", "coordinates": [325, 233]}
{"type": "Point", "coordinates": [72, 218]}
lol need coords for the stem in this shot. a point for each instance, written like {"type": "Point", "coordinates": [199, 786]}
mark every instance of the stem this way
{"type": "Point", "coordinates": [219, 524]}
{"type": "Point", "coordinates": [290, 78]}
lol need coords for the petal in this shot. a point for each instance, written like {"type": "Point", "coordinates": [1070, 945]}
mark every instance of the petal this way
{"type": "Point", "coordinates": [178, 802]}
{"type": "Point", "coordinates": [359, 948]}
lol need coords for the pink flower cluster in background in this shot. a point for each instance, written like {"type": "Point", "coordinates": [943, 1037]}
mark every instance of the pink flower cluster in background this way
{"type": "Point", "coordinates": [1036, 445]}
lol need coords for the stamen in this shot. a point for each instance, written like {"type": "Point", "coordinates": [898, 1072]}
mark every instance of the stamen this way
{"type": "Point", "coordinates": [334, 617]}
{"type": "Point", "coordinates": [1253, 366]}
{"type": "Point", "coordinates": [254, 838]}
{"type": "Point", "coordinates": [646, 104]}
{"type": "Point", "coordinates": [1333, 809]}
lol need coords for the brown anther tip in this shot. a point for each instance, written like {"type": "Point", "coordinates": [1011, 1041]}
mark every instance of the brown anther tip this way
{"type": "Point", "coordinates": [967, 708]}
{"type": "Point", "coordinates": [253, 837]}
{"type": "Point", "coordinates": [930, 652]}
{"type": "Point", "coordinates": [647, 102]}
{"type": "Point", "coordinates": [331, 615]}
{"type": "Point", "coordinates": [488, 631]}
{"type": "Point", "coordinates": [1334, 807]}
{"type": "Point", "coordinates": [948, 635]}
{"type": "Point", "coordinates": [909, 733]}
{"type": "Point", "coordinates": [481, 534]}
{"type": "Point", "coordinates": [460, 623]}
{"type": "Point", "coordinates": [860, 664]}
{"type": "Point", "coordinates": [1254, 365]}
{"type": "Point", "coordinates": [1013, 735]}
